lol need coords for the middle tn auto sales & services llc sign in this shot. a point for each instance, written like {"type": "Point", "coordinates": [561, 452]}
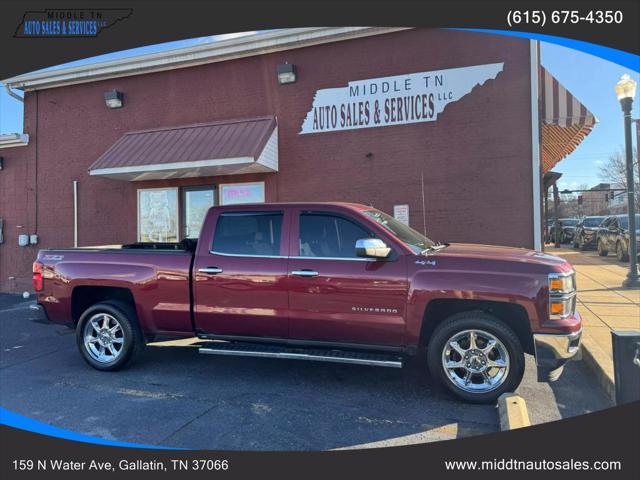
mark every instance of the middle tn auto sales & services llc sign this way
{"type": "Point", "coordinates": [397, 100]}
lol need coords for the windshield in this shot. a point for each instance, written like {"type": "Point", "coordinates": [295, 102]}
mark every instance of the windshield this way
{"type": "Point", "coordinates": [569, 222]}
{"type": "Point", "coordinates": [624, 221]}
{"type": "Point", "coordinates": [593, 221]}
{"type": "Point", "coordinates": [415, 240]}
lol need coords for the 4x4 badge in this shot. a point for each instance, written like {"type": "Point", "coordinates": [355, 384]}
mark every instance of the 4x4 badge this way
{"type": "Point", "coordinates": [426, 262]}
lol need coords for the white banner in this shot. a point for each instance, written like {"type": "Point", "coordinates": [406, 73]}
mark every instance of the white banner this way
{"type": "Point", "coordinates": [401, 213]}
{"type": "Point", "coordinates": [397, 100]}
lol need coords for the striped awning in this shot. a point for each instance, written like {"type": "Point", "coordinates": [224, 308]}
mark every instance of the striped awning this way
{"type": "Point", "coordinates": [565, 122]}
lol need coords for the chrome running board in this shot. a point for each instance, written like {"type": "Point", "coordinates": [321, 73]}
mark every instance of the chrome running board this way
{"type": "Point", "coordinates": [317, 355]}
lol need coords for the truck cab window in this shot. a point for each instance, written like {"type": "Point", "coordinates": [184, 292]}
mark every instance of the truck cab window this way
{"type": "Point", "coordinates": [329, 236]}
{"type": "Point", "coordinates": [255, 234]}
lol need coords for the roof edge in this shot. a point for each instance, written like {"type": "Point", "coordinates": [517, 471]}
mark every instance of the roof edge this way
{"type": "Point", "coordinates": [217, 51]}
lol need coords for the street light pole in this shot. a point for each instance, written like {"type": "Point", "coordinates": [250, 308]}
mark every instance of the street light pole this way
{"type": "Point", "coordinates": [625, 91]}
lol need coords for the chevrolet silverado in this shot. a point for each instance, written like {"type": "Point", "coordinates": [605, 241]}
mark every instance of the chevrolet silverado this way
{"type": "Point", "coordinates": [332, 282]}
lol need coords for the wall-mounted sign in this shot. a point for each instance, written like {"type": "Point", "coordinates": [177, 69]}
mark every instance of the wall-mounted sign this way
{"type": "Point", "coordinates": [401, 213]}
{"type": "Point", "coordinates": [236, 193]}
{"type": "Point", "coordinates": [397, 100]}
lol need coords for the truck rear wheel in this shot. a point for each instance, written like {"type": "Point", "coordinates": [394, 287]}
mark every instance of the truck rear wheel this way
{"type": "Point", "coordinates": [476, 356]}
{"type": "Point", "coordinates": [108, 335]}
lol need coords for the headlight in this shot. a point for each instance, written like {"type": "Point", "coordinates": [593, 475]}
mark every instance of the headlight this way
{"type": "Point", "coordinates": [562, 283]}
{"type": "Point", "coordinates": [562, 295]}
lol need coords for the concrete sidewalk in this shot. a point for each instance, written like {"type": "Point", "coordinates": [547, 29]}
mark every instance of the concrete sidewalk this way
{"type": "Point", "coordinates": [604, 305]}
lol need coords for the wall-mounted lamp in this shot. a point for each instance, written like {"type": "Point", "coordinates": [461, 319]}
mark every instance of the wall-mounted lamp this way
{"type": "Point", "coordinates": [113, 99]}
{"type": "Point", "coordinates": [286, 73]}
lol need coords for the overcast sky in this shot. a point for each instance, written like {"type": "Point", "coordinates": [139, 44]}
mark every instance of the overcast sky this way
{"type": "Point", "coordinates": [588, 78]}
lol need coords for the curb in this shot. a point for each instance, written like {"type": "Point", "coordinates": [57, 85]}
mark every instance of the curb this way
{"type": "Point", "coordinates": [600, 364]}
{"type": "Point", "coordinates": [512, 410]}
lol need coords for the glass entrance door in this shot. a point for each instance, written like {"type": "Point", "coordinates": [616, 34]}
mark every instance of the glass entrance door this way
{"type": "Point", "coordinates": [197, 201]}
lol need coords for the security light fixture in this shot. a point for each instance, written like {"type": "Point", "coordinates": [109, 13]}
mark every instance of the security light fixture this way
{"type": "Point", "coordinates": [113, 99]}
{"type": "Point", "coordinates": [286, 73]}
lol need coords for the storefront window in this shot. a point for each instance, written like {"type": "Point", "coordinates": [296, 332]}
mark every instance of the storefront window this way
{"type": "Point", "coordinates": [197, 201]}
{"type": "Point", "coordinates": [158, 215]}
{"type": "Point", "coordinates": [236, 193]}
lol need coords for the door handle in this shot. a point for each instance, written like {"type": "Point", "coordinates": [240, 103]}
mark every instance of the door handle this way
{"type": "Point", "coordinates": [212, 270]}
{"type": "Point", "coordinates": [305, 273]}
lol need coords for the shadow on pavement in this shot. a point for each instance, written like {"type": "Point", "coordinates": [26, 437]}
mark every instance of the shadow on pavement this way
{"type": "Point", "coordinates": [572, 402]}
{"type": "Point", "coordinates": [176, 397]}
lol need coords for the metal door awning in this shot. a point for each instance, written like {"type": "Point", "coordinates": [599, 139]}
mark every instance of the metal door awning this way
{"type": "Point", "coordinates": [201, 150]}
{"type": "Point", "coordinates": [565, 122]}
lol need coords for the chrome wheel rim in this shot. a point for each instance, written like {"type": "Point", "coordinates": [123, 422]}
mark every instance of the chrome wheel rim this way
{"type": "Point", "coordinates": [475, 361]}
{"type": "Point", "coordinates": [103, 338]}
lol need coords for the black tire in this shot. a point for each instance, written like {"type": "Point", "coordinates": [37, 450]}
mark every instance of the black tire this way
{"type": "Point", "coordinates": [581, 244]}
{"type": "Point", "coordinates": [621, 254]}
{"type": "Point", "coordinates": [132, 338]}
{"type": "Point", "coordinates": [601, 250]}
{"type": "Point", "coordinates": [481, 321]}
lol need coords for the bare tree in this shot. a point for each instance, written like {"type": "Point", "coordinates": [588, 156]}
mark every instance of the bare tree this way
{"type": "Point", "coordinates": [614, 171]}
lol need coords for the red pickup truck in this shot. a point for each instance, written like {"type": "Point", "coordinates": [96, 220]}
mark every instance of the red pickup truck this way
{"type": "Point", "coordinates": [330, 282]}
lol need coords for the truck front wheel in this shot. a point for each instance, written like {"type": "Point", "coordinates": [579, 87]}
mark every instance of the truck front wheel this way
{"type": "Point", "coordinates": [476, 356]}
{"type": "Point", "coordinates": [108, 335]}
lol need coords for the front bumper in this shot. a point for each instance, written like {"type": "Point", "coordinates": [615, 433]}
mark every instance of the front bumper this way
{"type": "Point", "coordinates": [590, 241]}
{"type": "Point", "coordinates": [552, 351]}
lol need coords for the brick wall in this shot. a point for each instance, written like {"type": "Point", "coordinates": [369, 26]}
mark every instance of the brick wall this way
{"type": "Point", "coordinates": [475, 159]}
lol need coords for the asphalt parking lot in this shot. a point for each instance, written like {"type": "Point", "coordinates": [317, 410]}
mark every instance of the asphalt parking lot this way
{"type": "Point", "coordinates": [175, 397]}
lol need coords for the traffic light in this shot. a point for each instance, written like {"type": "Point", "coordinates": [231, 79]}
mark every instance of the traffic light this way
{"type": "Point", "coordinates": [612, 195]}
{"type": "Point", "coordinates": [606, 197]}
{"type": "Point", "coordinates": [579, 199]}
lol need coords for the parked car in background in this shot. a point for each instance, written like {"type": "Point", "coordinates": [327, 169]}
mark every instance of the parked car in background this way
{"type": "Point", "coordinates": [585, 232]}
{"type": "Point", "coordinates": [331, 282]}
{"type": "Point", "coordinates": [548, 230]}
{"type": "Point", "coordinates": [567, 227]}
{"type": "Point", "coordinates": [613, 236]}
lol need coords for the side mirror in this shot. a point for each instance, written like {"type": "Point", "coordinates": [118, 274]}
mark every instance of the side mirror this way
{"type": "Point", "coordinates": [372, 248]}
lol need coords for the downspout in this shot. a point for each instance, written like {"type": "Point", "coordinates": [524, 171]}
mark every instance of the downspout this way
{"type": "Point", "coordinates": [13, 94]}
{"type": "Point", "coordinates": [75, 214]}
{"type": "Point", "coordinates": [536, 168]}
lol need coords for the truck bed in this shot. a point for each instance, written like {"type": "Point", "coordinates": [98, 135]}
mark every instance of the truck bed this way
{"type": "Point", "coordinates": [188, 245]}
{"type": "Point", "coordinates": [157, 276]}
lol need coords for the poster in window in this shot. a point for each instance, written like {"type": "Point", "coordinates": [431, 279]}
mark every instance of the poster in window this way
{"type": "Point", "coordinates": [237, 193]}
{"type": "Point", "coordinates": [158, 215]}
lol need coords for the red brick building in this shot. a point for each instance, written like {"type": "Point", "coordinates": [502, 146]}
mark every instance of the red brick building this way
{"type": "Point", "coordinates": [469, 172]}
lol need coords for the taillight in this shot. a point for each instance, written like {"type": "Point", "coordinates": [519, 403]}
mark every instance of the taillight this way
{"type": "Point", "coordinates": [37, 276]}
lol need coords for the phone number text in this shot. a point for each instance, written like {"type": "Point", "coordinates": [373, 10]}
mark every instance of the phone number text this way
{"type": "Point", "coordinates": [541, 17]}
